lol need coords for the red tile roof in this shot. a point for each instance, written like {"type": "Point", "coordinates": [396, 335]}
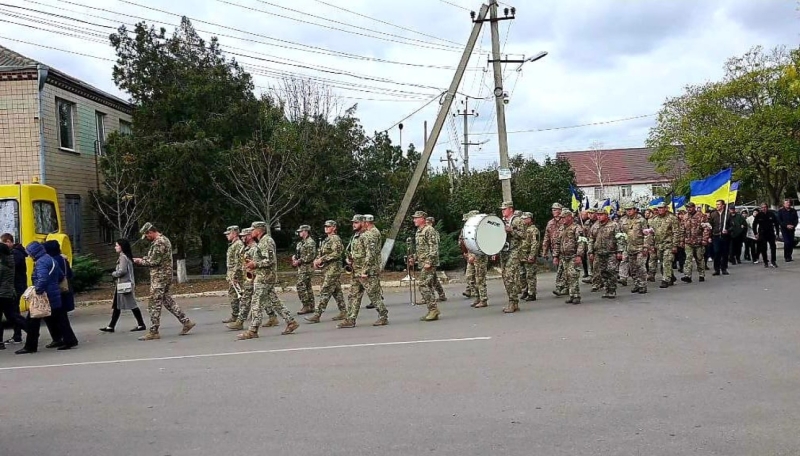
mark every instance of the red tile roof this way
{"type": "Point", "coordinates": [618, 167]}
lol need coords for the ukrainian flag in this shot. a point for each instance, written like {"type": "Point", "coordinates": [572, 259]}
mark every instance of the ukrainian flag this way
{"type": "Point", "coordinates": [712, 188]}
{"type": "Point", "coordinates": [734, 192]}
{"type": "Point", "coordinates": [606, 205]}
{"type": "Point", "coordinates": [655, 202]}
{"type": "Point", "coordinates": [576, 203]}
{"type": "Point", "coordinates": [678, 203]}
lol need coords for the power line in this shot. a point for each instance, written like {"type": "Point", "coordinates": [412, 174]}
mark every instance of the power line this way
{"type": "Point", "coordinates": [415, 111]}
{"type": "Point", "coordinates": [537, 130]}
{"type": "Point", "coordinates": [453, 4]}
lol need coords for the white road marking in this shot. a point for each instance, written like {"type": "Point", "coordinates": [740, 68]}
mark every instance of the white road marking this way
{"type": "Point", "coordinates": [252, 352]}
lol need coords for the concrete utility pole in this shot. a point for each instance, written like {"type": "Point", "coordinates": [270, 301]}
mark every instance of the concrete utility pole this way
{"type": "Point", "coordinates": [500, 98]}
{"type": "Point", "coordinates": [467, 113]}
{"type": "Point", "coordinates": [451, 168]}
{"type": "Point", "coordinates": [444, 110]}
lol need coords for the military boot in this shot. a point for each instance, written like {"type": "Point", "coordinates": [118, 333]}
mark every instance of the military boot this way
{"type": "Point", "coordinates": [235, 326]}
{"type": "Point", "coordinates": [623, 282]}
{"type": "Point", "coordinates": [151, 335]}
{"type": "Point", "coordinates": [432, 315]}
{"type": "Point", "coordinates": [651, 278]}
{"type": "Point", "coordinates": [230, 319]}
{"type": "Point", "coordinates": [187, 327]}
{"type": "Point", "coordinates": [372, 306]}
{"type": "Point", "coordinates": [341, 316]}
{"type": "Point", "coordinates": [643, 290]}
{"type": "Point", "coordinates": [635, 290]}
{"type": "Point", "coordinates": [347, 323]}
{"type": "Point", "coordinates": [382, 321]}
{"type": "Point", "coordinates": [305, 310]}
{"type": "Point", "coordinates": [291, 327]}
{"type": "Point", "coordinates": [531, 297]}
{"type": "Point", "coordinates": [442, 298]}
{"type": "Point", "coordinates": [249, 334]}
{"type": "Point", "coordinates": [466, 295]}
{"type": "Point", "coordinates": [313, 319]}
{"type": "Point", "coordinates": [609, 295]}
{"type": "Point", "coordinates": [524, 295]}
{"type": "Point", "coordinates": [510, 308]}
{"type": "Point", "coordinates": [475, 304]}
{"type": "Point", "coordinates": [664, 284]}
{"type": "Point", "coordinates": [575, 300]}
{"type": "Point", "coordinates": [558, 292]}
{"type": "Point", "coordinates": [686, 279]}
{"type": "Point", "coordinates": [595, 289]}
{"type": "Point", "coordinates": [480, 304]}
{"type": "Point", "coordinates": [273, 321]}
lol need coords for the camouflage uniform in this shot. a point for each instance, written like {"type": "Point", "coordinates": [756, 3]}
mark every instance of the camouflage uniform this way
{"type": "Point", "coordinates": [696, 233]}
{"type": "Point", "coordinates": [570, 245]}
{"type": "Point", "coordinates": [437, 284]}
{"type": "Point", "coordinates": [667, 236]}
{"type": "Point", "coordinates": [596, 278]}
{"type": "Point", "coordinates": [159, 260]}
{"type": "Point", "coordinates": [604, 246]}
{"type": "Point", "coordinates": [266, 276]}
{"type": "Point", "coordinates": [330, 257]}
{"type": "Point", "coordinates": [639, 243]}
{"type": "Point", "coordinates": [624, 264]}
{"type": "Point", "coordinates": [234, 264]}
{"type": "Point", "coordinates": [374, 289]}
{"type": "Point", "coordinates": [510, 259]}
{"type": "Point", "coordinates": [529, 252]}
{"type": "Point", "coordinates": [427, 253]}
{"type": "Point", "coordinates": [469, 274]}
{"type": "Point", "coordinates": [480, 265]}
{"type": "Point", "coordinates": [363, 251]}
{"type": "Point", "coordinates": [306, 251]}
{"type": "Point", "coordinates": [552, 236]}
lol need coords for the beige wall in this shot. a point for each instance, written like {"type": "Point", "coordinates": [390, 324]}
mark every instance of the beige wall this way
{"type": "Point", "coordinates": [19, 131]}
{"type": "Point", "coordinates": [75, 172]}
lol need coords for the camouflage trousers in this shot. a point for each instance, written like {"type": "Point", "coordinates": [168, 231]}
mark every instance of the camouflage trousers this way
{"type": "Point", "coordinates": [637, 268]}
{"type": "Point", "coordinates": [304, 291]}
{"type": "Point", "coordinates": [469, 277]}
{"type": "Point", "coordinates": [695, 257]}
{"type": "Point", "coordinates": [331, 286]}
{"type": "Point", "coordinates": [234, 298]}
{"type": "Point", "coordinates": [160, 297]}
{"type": "Point", "coordinates": [561, 285]}
{"type": "Point", "coordinates": [265, 297]}
{"type": "Point", "coordinates": [571, 276]}
{"type": "Point", "coordinates": [663, 259]}
{"type": "Point", "coordinates": [480, 268]}
{"type": "Point", "coordinates": [247, 302]}
{"type": "Point", "coordinates": [624, 267]}
{"type": "Point", "coordinates": [510, 263]}
{"type": "Point", "coordinates": [608, 271]}
{"type": "Point", "coordinates": [425, 281]}
{"type": "Point", "coordinates": [372, 287]}
{"type": "Point", "coordinates": [522, 277]}
{"type": "Point", "coordinates": [531, 279]}
{"type": "Point", "coordinates": [437, 286]}
{"type": "Point", "coordinates": [596, 277]}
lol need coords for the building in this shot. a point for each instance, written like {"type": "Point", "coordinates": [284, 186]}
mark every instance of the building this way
{"type": "Point", "coordinates": [618, 174]}
{"type": "Point", "coordinates": [53, 127]}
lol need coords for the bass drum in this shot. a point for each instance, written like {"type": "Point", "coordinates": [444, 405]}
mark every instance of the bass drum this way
{"type": "Point", "coordinates": [484, 234]}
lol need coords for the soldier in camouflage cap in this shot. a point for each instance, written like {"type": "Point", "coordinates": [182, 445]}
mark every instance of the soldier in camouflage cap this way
{"type": "Point", "coordinates": [529, 252]}
{"type": "Point", "coordinates": [510, 255]}
{"type": "Point", "coordinates": [364, 257]}
{"type": "Point", "coordinates": [668, 236]}
{"type": "Point", "coordinates": [234, 262]}
{"type": "Point", "coordinates": [568, 251]}
{"type": "Point", "coordinates": [329, 259]}
{"type": "Point", "coordinates": [159, 260]}
{"type": "Point", "coordinates": [471, 261]}
{"type": "Point", "coordinates": [437, 284]}
{"type": "Point", "coordinates": [305, 252]}
{"type": "Point", "coordinates": [606, 245]}
{"type": "Point", "coordinates": [426, 254]}
{"type": "Point", "coordinates": [552, 235]}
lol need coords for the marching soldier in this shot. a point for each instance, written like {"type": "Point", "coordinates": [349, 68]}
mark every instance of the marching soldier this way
{"type": "Point", "coordinates": [159, 260]}
{"type": "Point", "coordinates": [264, 265]}
{"type": "Point", "coordinates": [667, 233]}
{"type": "Point", "coordinates": [247, 288]}
{"type": "Point", "coordinates": [606, 244]}
{"type": "Point", "coordinates": [696, 235]}
{"type": "Point", "coordinates": [437, 284]}
{"type": "Point", "coordinates": [305, 252]}
{"type": "Point", "coordinates": [509, 257]}
{"type": "Point", "coordinates": [595, 279]}
{"type": "Point", "coordinates": [365, 258]}
{"type": "Point", "coordinates": [568, 251]}
{"type": "Point", "coordinates": [552, 235]}
{"type": "Point", "coordinates": [374, 289]}
{"type": "Point", "coordinates": [330, 261]}
{"type": "Point", "coordinates": [235, 264]}
{"type": "Point", "coordinates": [639, 242]}
{"type": "Point", "coordinates": [427, 256]}
{"type": "Point", "coordinates": [469, 274]}
{"type": "Point", "coordinates": [529, 254]}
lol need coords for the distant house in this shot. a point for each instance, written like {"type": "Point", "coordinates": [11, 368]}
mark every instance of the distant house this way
{"type": "Point", "coordinates": [53, 127]}
{"type": "Point", "coordinates": [619, 174]}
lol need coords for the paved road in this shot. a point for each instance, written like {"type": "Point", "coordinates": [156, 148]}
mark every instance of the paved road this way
{"type": "Point", "coordinates": [701, 369]}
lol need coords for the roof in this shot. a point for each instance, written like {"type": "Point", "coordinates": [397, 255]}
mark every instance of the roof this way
{"type": "Point", "coordinates": [614, 166]}
{"type": "Point", "coordinates": [11, 61]}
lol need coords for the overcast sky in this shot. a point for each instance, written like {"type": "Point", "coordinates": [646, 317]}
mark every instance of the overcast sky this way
{"type": "Point", "coordinates": [608, 60]}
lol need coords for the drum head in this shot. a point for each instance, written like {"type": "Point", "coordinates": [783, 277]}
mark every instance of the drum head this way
{"type": "Point", "coordinates": [484, 234]}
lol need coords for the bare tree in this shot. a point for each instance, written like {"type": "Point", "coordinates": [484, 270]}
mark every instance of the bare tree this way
{"type": "Point", "coordinates": [306, 99]}
{"type": "Point", "coordinates": [597, 164]}
{"type": "Point", "coordinates": [121, 198]}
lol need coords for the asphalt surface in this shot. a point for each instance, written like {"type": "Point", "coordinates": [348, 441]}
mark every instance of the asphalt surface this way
{"type": "Point", "coordinates": [700, 369]}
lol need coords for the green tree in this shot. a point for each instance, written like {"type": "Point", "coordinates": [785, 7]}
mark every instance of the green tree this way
{"type": "Point", "coordinates": [749, 121]}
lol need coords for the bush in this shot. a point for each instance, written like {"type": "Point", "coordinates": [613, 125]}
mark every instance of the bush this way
{"type": "Point", "coordinates": [87, 273]}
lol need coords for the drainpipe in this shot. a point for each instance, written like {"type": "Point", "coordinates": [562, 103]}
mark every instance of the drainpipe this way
{"type": "Point", "coordinates": [41, 79]}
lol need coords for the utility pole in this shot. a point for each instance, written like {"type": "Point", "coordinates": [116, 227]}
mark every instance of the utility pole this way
{"type": "Point", "coordinates": [451, 168]}
{"type": "Point", "coordinates": [444, 110]}
{"type": "Point", "coordinates": [500, 97]}
{"type": "Point", "coordinates": [466, 113]}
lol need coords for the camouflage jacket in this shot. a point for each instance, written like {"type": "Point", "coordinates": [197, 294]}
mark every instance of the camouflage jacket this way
{"type": "Point", "coordinates": [363, 251]}
{"type": "Point", "coordinates": [667, 231]}
{"type": "Point", "coordinates": [426, 246]}
{"type": "Point", "coordinates": [234, 261]}
{"type": "Point", "coordinates": [266, 261]}
{"type": "Point", "coordinates": [530, 243]}
{"type": "Point", "coordinates": [696, 229]}
{"type": "Point", "coordinates": [248, 254]}
{"type": "Point", "coordinates": [515, 237]}
{"type": "Point", "coordinates": [551, 235]}
{"type": "Point", "coordinates": [438, 241]}
{"type": "Point", "coordinates": [603, 239]}
{"type": "Point", "coordinates": [638, 234]}
{"type": "Point", "coordinates": [159, 260]}
{"type": "Point", "coordinates": [330, 252]}
{"type": "Point", "coordinates": [306, 252]}
{"type": "Point", "coordinates": [571, 242]}
{"type": "Point", "coordinates": [377, 240]}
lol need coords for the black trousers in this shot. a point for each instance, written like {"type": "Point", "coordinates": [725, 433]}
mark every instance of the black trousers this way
{"type": "Point", "coordinates": [57, 323]}
{"type": "Point", "coordinates": [762, 248]}
{"type": "Point", "coordinates": [115, 313]}
{"type": "Point", "coordinates": [680, 259]}
{"type": "Point", "coordinates": [721, 248]}
{"type": "Point", "coordinates": [750, 249]}
{"type": "Point", "coordinates": [736, 248]}
{"type": "Point", "coordinates": [10, 308]}
{"type": "Point", "coordinates": [788, 244]}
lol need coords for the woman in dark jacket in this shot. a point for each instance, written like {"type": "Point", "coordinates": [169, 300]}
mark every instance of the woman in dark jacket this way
{"type": "Point", "coordinates": [9, 304]}
{"type": "Point", "coordinates": [124, 301]}
{"type": "Point", "coordinates": [46, 276]}
{"type": "Point", "coordinates": [67, 337]}
{"type": "Point", "coordinates": [20, 282]}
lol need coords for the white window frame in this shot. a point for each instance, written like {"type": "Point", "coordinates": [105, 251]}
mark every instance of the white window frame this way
{"type": "Point", "coordinates": [129, 126]}
{"type": "Point", "coordinates": [59, 102]}
{"type": "Point", "coordinates": [625, 191]}
{"type": "Point", "coordinates": [100, 132]}
{"type": "Point", "coordinates": [599, 193]}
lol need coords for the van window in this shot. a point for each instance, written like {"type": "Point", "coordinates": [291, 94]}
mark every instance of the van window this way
{"type": "Point", "coordinates": [9, 218]}
{"type": "Point", "coordinates": [45, 219]}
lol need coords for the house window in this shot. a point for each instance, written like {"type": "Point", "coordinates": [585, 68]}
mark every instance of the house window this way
{"type": "Point", "coordinates": [100, 124]}
{"type": "Point", "coordinates": [659, 189]}
{"type": "Point", "coordinates": [625, 191]}
{"type": "Point", "coordinates": [74, 220]}
{"type": "Point", "coordinates": [45, 218]}
{"type": "Point", "coordinates": [66, 124]}
{"type": "Point", "coordinates": [107, 234]}
{"type": "Point", "coordinates": [125, 128]}
{"type": "Point", "coordinates": [599, 193]}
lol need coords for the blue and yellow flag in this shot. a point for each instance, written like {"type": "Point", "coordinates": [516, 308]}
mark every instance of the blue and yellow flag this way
{"type": "Point", "coordinates": [576, 203]}
{"type": "Point", "coordinates": [655, 202]}
{"type": "Point", "coordinates": [734, 192]}
{"type": "Point", "coordinates": [712, 188]}
{"type": "Point", "coordinates": [606, 206]}
{"type": "Point", "coordinates": [678, 203]}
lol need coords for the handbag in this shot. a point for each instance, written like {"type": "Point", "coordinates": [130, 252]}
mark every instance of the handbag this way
{"type": "Point", "coordinates": [38, 305]}
{"type": "Point", "coordinates": [64, 285]}
{"type": "Point", "coordinates": [124, 288]}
